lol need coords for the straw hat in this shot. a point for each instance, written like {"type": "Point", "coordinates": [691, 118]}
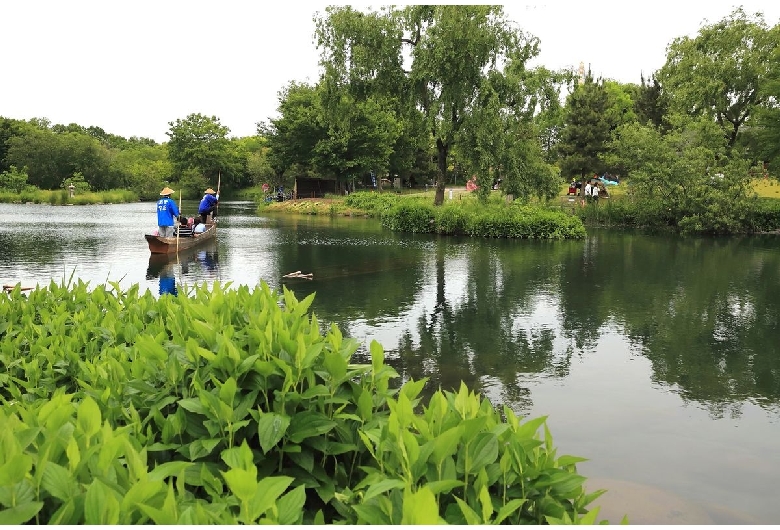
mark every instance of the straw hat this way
{"type": "Point", "coordinates": [210, 191]}
{"type": "Point", "coordinates": [166, 191]}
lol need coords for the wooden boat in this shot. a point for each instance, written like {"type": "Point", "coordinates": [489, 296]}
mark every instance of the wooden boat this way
{"type": "Point", "coordinates": [169, 245]}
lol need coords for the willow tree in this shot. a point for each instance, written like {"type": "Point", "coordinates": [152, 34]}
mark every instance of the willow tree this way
{"type": "Point", "coordinates": [718, 74]}
{"type": "Point", "coordinates": [433, 59]}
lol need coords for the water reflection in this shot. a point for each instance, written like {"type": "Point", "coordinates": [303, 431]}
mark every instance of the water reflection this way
{"type": "Point", "coordinates": [190, 266]}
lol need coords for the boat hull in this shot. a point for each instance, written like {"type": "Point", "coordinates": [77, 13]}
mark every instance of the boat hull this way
{"type": "Point", "coordinates": [170, 245]}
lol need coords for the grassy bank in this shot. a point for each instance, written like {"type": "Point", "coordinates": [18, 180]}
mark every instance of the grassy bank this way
{"type": "Point", "coordinates": [62, 197]}
{"type": "Point", "coordinates": [461, 214]}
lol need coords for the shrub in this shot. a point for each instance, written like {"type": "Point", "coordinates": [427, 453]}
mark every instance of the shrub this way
{"type": "Point", "coordinates": [230, 406]}
{"type": "Point", "coordinates": [477, 220]}
{"type": "Point", "coordinates": [371, 201]}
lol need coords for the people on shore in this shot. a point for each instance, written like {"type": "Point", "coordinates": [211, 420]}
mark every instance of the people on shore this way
{"type": "Point", "coordinates": [167, 212]}
{"type": "Point", "coordinates": [207, 205]}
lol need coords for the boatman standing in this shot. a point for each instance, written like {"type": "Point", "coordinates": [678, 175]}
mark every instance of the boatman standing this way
{"type": "Point", "coordinates": [166, 213]}
{"type": "Point", "coordinates": [207, 205]}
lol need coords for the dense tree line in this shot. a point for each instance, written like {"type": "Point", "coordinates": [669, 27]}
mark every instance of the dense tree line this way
{"type": "Point", "coordinates": [199, 154]}
{"type": "Point", "coordinates": [440, 94]}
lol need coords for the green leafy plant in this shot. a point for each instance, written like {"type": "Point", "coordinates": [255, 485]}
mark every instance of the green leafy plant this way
{"type": "Point", "coordinates": [226, 406]}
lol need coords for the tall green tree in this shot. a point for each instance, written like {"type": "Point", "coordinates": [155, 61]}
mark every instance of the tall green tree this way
{"type": "Point", "coordinates": [201, 143]}
{"type": "Point", "coordinates": [765, 130]}
{"type": "Point", "coordinates": [586, 130]}
{"type": "Point", "coordinates": [9, 128]}
{"type": "Point", "coordinates": [439, 56]}
{"type": "Point", "coordinates": [293, 137]}
{"type": "Point", "coordinates": [650, 105]}
{"type": "Point", "coordinates": [718, 74]}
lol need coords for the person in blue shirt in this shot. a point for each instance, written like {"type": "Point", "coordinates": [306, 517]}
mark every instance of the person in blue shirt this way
{"type": "Point", "coordinates": [207, 205]}
{"type": "Point", "coordinates": [166, 213]}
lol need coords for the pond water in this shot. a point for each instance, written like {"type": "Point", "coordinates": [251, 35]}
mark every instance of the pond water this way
{"type": "Point", "coordinates": [655, 357]}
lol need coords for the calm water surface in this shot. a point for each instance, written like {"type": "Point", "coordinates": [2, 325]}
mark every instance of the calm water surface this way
{"type": "Point", "coordinates": [656, 357]}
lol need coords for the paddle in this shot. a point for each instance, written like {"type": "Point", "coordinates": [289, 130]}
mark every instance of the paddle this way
{"type": "Point", "coordinates": [178, 228]}
{"type": "Point", "coordinates": [219, 181]}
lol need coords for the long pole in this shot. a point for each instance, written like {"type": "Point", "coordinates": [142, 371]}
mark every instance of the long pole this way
{"type": "Point", "coordinates": [219, 181]}
{"type": "Point", "coordinates": [177, 230]}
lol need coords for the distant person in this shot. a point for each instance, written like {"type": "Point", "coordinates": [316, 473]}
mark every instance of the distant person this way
{"type": "Point", "coordinates": [594, 192]}
{"type": "Point", "coordinates": [207, 204]}
{"type": "Point", "coordinates": [588, 188]}
{"type": "Point", "coordinates": [166, 213]}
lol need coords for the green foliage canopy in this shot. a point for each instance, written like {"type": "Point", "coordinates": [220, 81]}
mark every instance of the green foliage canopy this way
{"type": "Point", "coordinates": [720, 72]}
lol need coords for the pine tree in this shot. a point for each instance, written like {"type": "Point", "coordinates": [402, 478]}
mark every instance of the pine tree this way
{"type": "Point", "coordinates": [586, 130]}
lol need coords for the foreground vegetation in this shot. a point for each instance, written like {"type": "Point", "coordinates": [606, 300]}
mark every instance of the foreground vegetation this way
{"type": "Point", "coordinates": [231, 406]}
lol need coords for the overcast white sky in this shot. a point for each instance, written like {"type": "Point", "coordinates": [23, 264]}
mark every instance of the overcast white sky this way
{"type": "Point", "coordinates": [131, 67]}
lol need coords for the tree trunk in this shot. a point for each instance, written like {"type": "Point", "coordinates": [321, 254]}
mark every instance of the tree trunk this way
{"type": "Point", "coordinates": [441, 177]}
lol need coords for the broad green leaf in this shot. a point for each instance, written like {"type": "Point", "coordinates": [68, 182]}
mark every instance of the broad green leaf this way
{"type": "Point", "coordinates": [371, 514]}
{"type": "Point", "coordinates": [271, 427]}
{"type": "Point", "coordinates": [336, 365]}
{"type": "Point", "coordinates": [58, 481]}
{"type": "Point", "coordinates": [74, 454]}
{"type": "Point", "coordinates": [88, 417]}
{"type": "Point", "coordinates": [200, 448]}
{"type": "Point", "coordinates": [290, 506]}
{"type": "Point", "coordinates": [444, 486]}
{"type": "Point", "coordinates": [100, 506]}
{"type": "Point", "coordinates": [20, 514]}
{"type": "Point", "coordinates": [365, 405]}
{"type": "Point", "coordinates": [377, 355]}
{"type": "Point", "coordinates": [167, 469]}
{"type": "Point", "coordinates": [65, 514]}
{"type": "Point", "coordinates": [307, 424]}
{"type": "Point", "coordinates": [383, 486]}
{"type": "Point", "coordinates": [150, 348]}
{"type": "Point", "coordinates": [567, 460]}
{"type": "Point", "coordinates": [15, 469]}
{"type": "Point", "coordinates": [485, 503]}
{"type": "Point", "coordinates": [139, 493]}
{"type": "Point", "coordinates": [483, 451]}
{"type": "Point", "coordinates": [420, 507]}
{"type": "Point", "coordinates": [508, 509]}
{"type": "Point", "coordinates": [205, 331]}
{"type": "Point", "coordinates": [469, 514]}
{"type": "Point", "coordinates": [227, 392]}
{"type": "Point", "coordinates": [412, 389]}
{"type": "Point", "coordinates": [268, 491]}
{"type": "Point", "coordinates": [193, 405]}
{"type": "Point", "coordinates": [529, 428]}
{"type": "Point", "coordinates": [446, 444]}
{"type": "Point", "coordinates": [242, 483]}
{"type": "Point", "coordinates": [590, 517]}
